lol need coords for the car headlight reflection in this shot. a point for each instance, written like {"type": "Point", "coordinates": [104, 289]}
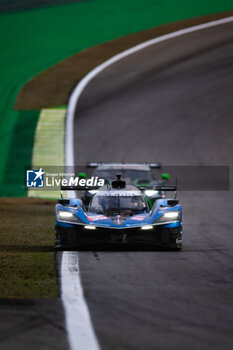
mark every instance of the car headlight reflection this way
{"type": "Point", "coordinates": [66, 216]}
{"type": "Point", "coordinates": [151, 193]}
{"type": "Point", "coordinates": [169, 216]}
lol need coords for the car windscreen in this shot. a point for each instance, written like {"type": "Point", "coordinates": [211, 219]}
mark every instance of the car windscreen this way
{"type": "Point", "coordinates": [118, 205]}
{"type": "Point", "coordinates": [131, 175]}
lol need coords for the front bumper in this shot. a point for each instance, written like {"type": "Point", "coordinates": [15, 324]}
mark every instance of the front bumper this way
{"type": "Point", "coordinates": [159, 236]}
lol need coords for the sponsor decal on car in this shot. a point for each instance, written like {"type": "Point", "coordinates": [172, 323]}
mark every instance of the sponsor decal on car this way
{"type": "Point", "coordinates": [139, 217]}
{"type": "Point", "coordinates": [96, 217]}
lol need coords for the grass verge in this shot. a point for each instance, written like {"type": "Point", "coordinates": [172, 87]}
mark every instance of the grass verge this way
{"type": "Point", "coordinates": [27, 249]}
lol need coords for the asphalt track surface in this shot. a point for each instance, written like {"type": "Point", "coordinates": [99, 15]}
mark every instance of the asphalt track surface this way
{"type": "Point", "coordinates": [171, 103]}
{"type": "Point", "coordinates": [36, 324]}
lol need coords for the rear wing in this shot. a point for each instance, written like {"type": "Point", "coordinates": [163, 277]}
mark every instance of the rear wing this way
{"type": "Point", "coordinates": [93, 165]}
{"type": "Point", "coordinates": [165, 188]}
{"type": "Point", "coordinates": [162, 189]}
{"type": "Point", "coordinates": [159, 188]}
{"type": "Point", "coordinates": [154, 165]}
{"type": "Point", "coordinates": [89, 188]}
{"type": "Point", "coordinates": [79, 188]}
{"type": "Point", "coordinates": [151, 165]}
{"type": "Point", "coordinates": [75, 188]}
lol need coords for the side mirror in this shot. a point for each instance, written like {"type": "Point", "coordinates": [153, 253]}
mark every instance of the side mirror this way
{"type": "Point", "coordinates": [165, 176]}
{"type": "Point", "coordinates": [82, 175]}
{"type": "Point", "coordinates": [64, 201]}
{"type": "Point", "coordinates": [172, 202]}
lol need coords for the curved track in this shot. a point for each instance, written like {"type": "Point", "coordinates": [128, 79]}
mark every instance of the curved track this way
{"type": "Point", "coordinates": [171, 103]}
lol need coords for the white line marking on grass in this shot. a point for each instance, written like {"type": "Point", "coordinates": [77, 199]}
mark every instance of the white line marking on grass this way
{"type": "Point", "coordinates": [48, 148]}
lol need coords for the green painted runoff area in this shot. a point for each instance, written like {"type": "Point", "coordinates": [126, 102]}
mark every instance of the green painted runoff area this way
{"type": "Point", "coordinates": [35, 40]}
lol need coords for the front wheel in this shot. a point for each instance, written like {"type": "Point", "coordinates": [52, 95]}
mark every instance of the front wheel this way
{"type": "Point", "coordinates": [172, 238]}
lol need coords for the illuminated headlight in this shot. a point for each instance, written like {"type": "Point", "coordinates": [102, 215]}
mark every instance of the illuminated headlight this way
{"type": "Point", "coordinates": [66, 216]}
{"type": "Point", "coordinates": [147, 227]}
{"type": "Point", "coordinates": [92, 192]}
{"type": "Point", "coordinates": [90, 227]}
{"type": "Point", "coordinates": [169, 216]}
{"type": "Point", "coordinates": [151, 193]}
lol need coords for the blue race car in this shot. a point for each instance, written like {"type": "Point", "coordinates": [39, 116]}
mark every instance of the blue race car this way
{"type": "Point", "coordinates": [119, 215]}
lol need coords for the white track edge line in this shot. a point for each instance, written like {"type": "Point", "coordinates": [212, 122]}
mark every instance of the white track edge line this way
{"type": "Point", "coordinates": [81, 334]}
{"type": "Point", "coordinates": [80, 321]}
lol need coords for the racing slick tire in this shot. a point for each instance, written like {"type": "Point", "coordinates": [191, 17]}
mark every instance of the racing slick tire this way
{"type": "Point", "coordinates": [172, 238]}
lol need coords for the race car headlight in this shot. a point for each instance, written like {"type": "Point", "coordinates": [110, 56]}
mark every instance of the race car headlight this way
{"type": "Point", "coordinates": [147, 227]}
{"type": "Point", "coordinates": [151, 193]}
{"type": "Point", "coordinates": [89, 227]}
{"type": "Point", "coordinates": [66, 216]}
{"type": "Point", "coordinates": [170, 216]}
